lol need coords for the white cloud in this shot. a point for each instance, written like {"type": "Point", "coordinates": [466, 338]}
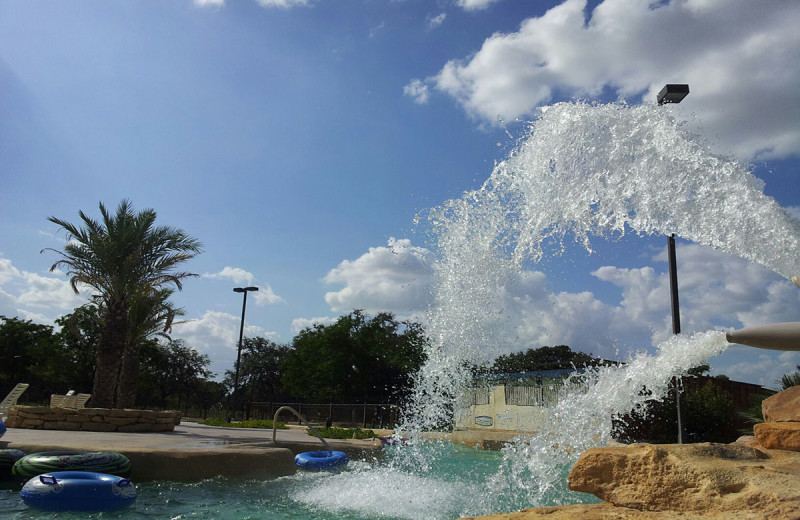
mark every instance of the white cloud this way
{"type": "Point", "coordinates": [238, 275]}
{"type": "Point", "coordinates": [299, 324]}
{"type": "Point", "coordinates": [34, 296]}
{"type": "Point", "coordinates": [265, 296]}
{"type": "Point", "coordinates": [436, 21]}
{"type": "Point", "coordinates": [475, 5]}
{"type": "Point", "coordinates": [216, 334]}
{"type": "Point", "coordinates": [284, 4]}
{"type": "Point", "coordinates": [418, 91]}
{"type": "Point", "coordinates": [395, 278]}
{"type": "Point", "coordinates": [209, 3]}
{"type": "Point", "coordinates": [739, 59]}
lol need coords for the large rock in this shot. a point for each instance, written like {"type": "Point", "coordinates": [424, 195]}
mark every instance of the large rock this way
{"type": "Point", "coordinates": [778, 435]}
{"type": "Point", "coordinates": [680, 482]}
{"type": "Point", "coordinates": [783, 406]}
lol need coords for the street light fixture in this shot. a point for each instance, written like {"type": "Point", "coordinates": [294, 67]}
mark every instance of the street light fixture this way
{"type": "Point", "coordinates": [244, 291]}
{"type": "Point", "coordinates": [674, 93]}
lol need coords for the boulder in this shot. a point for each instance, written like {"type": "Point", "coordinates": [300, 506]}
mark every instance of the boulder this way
{"type": "Point", "coordinates": [783, 406]}
{"type": "Point", "coordinates": [778, 435]}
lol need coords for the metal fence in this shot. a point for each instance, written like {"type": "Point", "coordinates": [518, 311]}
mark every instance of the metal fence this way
{"type": "Point", "coordinates": [541, 396]}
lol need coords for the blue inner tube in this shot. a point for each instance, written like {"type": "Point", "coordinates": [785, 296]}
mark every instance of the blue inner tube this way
{"type": "Point", "coordinates": [49, 461]}
{"type": "Point", "coordinates": [78, 491]}
{"type": "Point", "coordinates": [314, 460]}
{"type": "Point", "coordinates": [2, 428]}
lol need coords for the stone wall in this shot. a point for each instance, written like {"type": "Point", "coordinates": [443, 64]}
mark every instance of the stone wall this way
{"type": "Point", "coordinates": [91, 419]}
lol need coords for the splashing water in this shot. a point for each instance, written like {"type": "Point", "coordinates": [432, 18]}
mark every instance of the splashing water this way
{"type": "Point", "coordinates": [582, 171]}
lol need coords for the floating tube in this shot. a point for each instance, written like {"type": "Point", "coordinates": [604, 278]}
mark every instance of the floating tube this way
{"type": "Point", "coordinates": [775, 336]}
{"type": "Point", "coordinates": [95, 461]}
{"type": "Point", "coordinates": [315, 460]}
{"type": "Point", "coordinates": [7, 459]}
{"type": "Point", "coordinates": [2, 428]}
{"type": "Point", "coordinates": [78, 491]}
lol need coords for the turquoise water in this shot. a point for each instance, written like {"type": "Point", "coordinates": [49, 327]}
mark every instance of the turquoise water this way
{"type": "Point", "coordinates": [452, 486]}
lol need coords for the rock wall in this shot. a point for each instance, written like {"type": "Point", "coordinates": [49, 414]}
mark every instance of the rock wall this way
{"type": "Point", "coordinates": [91, 419]}
{"type": "Point", "coordinates": [755, 478]}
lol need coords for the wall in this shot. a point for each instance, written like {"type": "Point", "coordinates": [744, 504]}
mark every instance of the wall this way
{"type": "Point", "coordinates": [91, 419]}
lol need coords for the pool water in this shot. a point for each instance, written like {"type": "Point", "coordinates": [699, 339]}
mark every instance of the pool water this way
{"type": "Point", "coordinates": [453, 484]}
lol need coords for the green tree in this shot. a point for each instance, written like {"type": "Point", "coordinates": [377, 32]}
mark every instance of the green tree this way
{"type": "Point", "coordinates": [543, 358]}
{"type": "Point", "coordinates": [260, 370]}
{"type": "Point", "coordinates": [122, 258]}
{"type": "Point", "coordinates": [174, 374]}
{"type": "Point", "coordinates": [354, 358]}
{"type": "Point", "coordinates": [28, 354]}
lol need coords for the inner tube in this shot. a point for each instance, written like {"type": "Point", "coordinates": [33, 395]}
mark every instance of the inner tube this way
{"type": "Point", "coordinates": [49, 461]}
{"type": "Point", "coordinates": [78, 491]}
{"type": "Point", "coordinates": [7, 459]}
{"type": "Point", "coordinates": [2, 428]}
{"type": "Point", "coordinates": [315, 460]}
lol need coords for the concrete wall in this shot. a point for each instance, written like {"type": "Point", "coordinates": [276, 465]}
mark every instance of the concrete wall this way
{"type": "Point", "coordinates": [499, 416]}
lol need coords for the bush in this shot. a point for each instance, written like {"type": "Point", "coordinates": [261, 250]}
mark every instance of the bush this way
{"type": "Point", "coordinates": [253, 423]}
{"type": "Point", "coordinates": [344, 433]}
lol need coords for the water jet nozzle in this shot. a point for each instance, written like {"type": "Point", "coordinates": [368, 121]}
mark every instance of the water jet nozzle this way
{"type": "Point", "coordinates": [775, 336]}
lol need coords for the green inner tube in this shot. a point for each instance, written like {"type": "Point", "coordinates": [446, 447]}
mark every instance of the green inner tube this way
{"type": "Point", "coordinates": [7, 459]}
{"type": "Point", "coordinates": [97, 461]}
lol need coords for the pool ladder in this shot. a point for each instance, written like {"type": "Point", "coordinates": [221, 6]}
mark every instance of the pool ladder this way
{"type": "Point", "coordinates": [302, 420]}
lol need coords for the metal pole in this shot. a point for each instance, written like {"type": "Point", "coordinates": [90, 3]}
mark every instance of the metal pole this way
{"type": "Point", "coordinates": [239, 356]}
{"type": "Point", "coordinates": [676, 328]}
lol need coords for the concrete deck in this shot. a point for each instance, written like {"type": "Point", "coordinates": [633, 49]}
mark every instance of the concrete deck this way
{"type": "Point", "coordinates": [193, 451]}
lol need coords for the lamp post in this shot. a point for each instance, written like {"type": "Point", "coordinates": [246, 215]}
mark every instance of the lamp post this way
{"type": "Point", "coordinates": [674, 93]}
{"type": "Point", "coordinates": [244, 291]}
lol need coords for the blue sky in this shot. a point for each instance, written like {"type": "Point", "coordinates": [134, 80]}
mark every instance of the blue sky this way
{"type": "Point", "coordinates": [298, 140]}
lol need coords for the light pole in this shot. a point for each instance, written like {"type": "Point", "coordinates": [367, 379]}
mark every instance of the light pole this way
{"type": "Point", "coordinates": [244, 291]}
{"type": "Point", "coordinates": [673, 93]}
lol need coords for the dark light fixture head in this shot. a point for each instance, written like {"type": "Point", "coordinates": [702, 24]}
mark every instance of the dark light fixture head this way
{"type": "Point", "coordinates": [244, 289]}
{"type": "Point", "coordinates": [673, 93]}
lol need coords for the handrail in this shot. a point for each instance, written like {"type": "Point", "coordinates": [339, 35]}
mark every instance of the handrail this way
{"type": "Point", "coordinates": [302, 419]}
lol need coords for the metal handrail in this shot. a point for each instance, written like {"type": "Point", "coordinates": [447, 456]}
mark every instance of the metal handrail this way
{"type": "Point", "coordinates": [302, 420]}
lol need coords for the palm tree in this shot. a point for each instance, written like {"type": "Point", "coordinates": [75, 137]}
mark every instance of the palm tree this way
{"type": "Point", "coordinates": [122, 258]}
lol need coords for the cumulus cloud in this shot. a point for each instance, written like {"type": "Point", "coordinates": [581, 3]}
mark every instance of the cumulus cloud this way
{"type": "Point", "coordinates": [475, 5]}
{"type": "Point", "coordinates": [216, 334]}
{"type": "Point", "coordinates": [238, 275]}
{"type": "Point", "coordinates": [418, 91]}
{"type": "Point", "coordinates": [36, 297]}
{"type": "Point", "coordinates": [209, 3]}
{"type": "Point", "coordinates": [299, 324]}
{"type": "Point", "coordinates": [723, 50]}
{"type": "Point", "coordinates": [394, 278]}
{"type": "Point", "coordinates": [265, 296]}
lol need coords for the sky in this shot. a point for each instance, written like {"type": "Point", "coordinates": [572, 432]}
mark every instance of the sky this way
{"type": "Point", "coordinates": [299, 139]}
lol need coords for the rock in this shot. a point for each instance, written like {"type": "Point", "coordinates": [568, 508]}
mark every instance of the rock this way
{"type": "Point", "coordinates": [611, 512]}
{"type": "Point", "coordinates": [778, 435]}
{"type": "Point", "coordinates": [692, 478]}
{"type": "Point", "coordinates": [783, 406]}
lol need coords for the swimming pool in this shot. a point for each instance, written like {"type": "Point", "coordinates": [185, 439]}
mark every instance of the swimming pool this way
{"type": "Point", "coordinates": [455, 482]}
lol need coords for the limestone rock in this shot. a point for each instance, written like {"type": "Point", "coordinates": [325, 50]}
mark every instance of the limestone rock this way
{"type": "Point", "coordinates": [692, 478]}
{"type": "Point", "coordinates": [783, 406]}
{"type": "Point", "coordinates": [778, 435]}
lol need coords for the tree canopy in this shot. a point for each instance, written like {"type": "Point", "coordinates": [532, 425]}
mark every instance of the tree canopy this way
{"type": "Point", "coordinates": [355, 358]}
{"type": "Point", "coordinates": [543, 358]}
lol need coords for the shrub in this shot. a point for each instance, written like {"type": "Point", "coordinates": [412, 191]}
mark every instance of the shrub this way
{"type": "Point", "coordinates": [253, 423]}
{"type": "Point", "coordinates": [344, 433]}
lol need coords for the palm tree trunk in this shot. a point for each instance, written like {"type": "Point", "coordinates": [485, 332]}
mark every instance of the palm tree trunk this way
{"type": "Point", "coordinates": [128, 376]}
{"type": "Point", "coordinates": [109, 350]}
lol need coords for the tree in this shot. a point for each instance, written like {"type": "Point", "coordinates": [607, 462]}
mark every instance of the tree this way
{"type": "Point", "coordinates": [789, 380]}
{"type": "Point", "coordinates": [174, 373]}
{"type": "Point", "coordinates": [260, 369]}
{"type": "Point", "coordinates": [124, 258]}
{"type": "Point", "coordinates": [354, 358]}
{"type": "Point", "coordinates": [543, 358]}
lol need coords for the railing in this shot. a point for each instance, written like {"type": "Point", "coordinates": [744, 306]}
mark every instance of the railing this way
{"type": "Point", "coordinates": [302, 419]}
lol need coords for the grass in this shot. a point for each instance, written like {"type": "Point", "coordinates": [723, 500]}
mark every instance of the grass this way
{"type": "Point", "coordinates": [253, 423]}
{"type": "Point", "coordinates": [344, 433]}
